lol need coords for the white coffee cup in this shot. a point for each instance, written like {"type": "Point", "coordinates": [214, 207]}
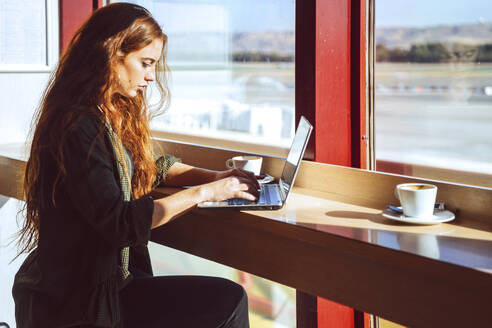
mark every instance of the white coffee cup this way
{"type": "Point", "coordinates": [248, 163]}
{"type": "Point", "coordinates": [417, 199]}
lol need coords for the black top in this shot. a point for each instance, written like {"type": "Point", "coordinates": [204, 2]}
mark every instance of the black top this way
{"type": "Point", "coordinates": [73, 276]}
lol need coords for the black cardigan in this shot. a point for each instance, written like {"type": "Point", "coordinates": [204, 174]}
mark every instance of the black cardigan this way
{"type": "Point", "coordinates": [73, 277]}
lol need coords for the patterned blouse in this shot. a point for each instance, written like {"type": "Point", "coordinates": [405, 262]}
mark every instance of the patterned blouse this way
{"type": "Point", "coordinates": [163, 164]}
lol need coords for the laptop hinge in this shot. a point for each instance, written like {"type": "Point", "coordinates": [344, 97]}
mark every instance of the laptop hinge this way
{"type": "Point", "coordinates": [282, 191]}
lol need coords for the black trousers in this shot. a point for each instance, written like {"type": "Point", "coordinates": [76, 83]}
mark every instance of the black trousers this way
{"type": "Point", "coordinates": [183, 301]}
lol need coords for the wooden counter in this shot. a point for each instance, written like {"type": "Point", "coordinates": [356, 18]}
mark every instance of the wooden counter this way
{"type": "Point", "coordinates": [432, 276]}
{"type": "Point", "coordinates": [330, 240]}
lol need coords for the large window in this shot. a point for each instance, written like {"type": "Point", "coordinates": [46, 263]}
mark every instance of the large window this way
{"type": "Point", "coordinates": [232, 66]}
{"type": "Point", "coordinates": [433, 89]}
{"type": "Point", "coordinates": [232, 79]}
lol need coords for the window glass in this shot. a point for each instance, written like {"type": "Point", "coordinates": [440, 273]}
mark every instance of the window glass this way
{"type": "Point", "coordinates": [232, 77]}
{"type": "Point", "coordinates": [28, 54]}
{"type": "Point", "coordinates": [270, 304]}
{"type": "Point", "coordinates": [433, 89]}
{"type": "Point", "coordinates": [232, 64]}
{"type": "Point", "coordinates": [23, 33]}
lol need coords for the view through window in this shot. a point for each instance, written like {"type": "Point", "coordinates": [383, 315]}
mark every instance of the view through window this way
{"type": "Point", "coordinates": [232, 64]}
{"type": "Point", "coordinates": [232, 78]}
{"type": "Point", "coordinates": [433, 89]}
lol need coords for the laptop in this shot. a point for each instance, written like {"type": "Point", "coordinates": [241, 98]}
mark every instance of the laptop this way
{"type": "Point", "coordinates": [274, 196]}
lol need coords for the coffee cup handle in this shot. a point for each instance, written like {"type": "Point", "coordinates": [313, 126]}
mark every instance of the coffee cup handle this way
{"type": "Point", "coordinates": [229, 163]}
{"type": "Point", "coordinates": [396, 193]}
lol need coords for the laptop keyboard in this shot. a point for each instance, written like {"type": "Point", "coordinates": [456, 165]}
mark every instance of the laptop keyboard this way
{"type": "Point", "coordinates": [268, 195]}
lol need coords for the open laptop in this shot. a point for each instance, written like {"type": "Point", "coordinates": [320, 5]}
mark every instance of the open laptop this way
{"type": "Point", "coordinates": [274, 196]}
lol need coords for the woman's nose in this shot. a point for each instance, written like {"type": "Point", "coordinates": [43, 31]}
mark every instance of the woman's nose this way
{"type": "Point", "coordinates": [150, 76]}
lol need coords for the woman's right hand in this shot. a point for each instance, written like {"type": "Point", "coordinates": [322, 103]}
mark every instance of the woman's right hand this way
{"type": "Point", "coordinates": [230, 184]}
{"type": "Point", "coordinates": [229, 187]}
{"type": "Point", "coordinates": [234, 186]}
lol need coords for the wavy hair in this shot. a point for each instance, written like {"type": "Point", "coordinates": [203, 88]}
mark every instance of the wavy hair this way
{"type": "Point", "coordinates": [84, 82]}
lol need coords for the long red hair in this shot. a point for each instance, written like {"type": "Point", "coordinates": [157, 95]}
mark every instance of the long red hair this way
{"type": "Point", "coordinates": [84, 81]}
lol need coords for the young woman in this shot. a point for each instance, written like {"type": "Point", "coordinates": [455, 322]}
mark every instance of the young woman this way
{"type": "Point", "coordinates": [87, 180]}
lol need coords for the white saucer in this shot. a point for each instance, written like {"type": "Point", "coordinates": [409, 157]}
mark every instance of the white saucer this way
{"type": "Point", "coordinates": [439, 216]}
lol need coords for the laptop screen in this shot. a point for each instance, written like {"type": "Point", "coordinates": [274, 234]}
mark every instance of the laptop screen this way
{"type": "Point", "coordinates": [295, 154]}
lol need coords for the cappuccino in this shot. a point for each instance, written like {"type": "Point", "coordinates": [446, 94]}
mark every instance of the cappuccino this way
{"type": "Point", "coordinates": [417, 199]}
{"type": "Point", "coordinates": [418, 187]}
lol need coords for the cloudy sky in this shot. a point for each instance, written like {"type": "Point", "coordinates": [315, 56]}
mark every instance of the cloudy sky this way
{"type": "Point", "coordinates": [279, 15]}
{"type": "Point", "coordinates": [432, 12]}
{"type": "Point", "coordinates": [256, 14]}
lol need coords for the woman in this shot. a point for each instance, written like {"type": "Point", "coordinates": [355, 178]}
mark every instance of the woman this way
{"type": "Point", "coordinates": [88, 212]}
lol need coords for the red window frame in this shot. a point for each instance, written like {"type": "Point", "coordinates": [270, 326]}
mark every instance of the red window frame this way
{"type": "Point", "coordinates": [331, 92]}
{"type": "Point", "coordinates": [72, 15]}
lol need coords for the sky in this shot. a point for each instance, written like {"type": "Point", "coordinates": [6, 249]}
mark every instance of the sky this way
{"type": "Point", "coordinates": [279, 15]}
{"type": "Point", "coordinates": [419, 13]}
{"type": "Point", "coordinates": [243, 15]}
{"type": "Point", "coordinates": [256, 14]}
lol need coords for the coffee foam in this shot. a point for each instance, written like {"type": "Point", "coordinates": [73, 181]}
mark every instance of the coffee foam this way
{"type": "Point", "coordinates": [417, 187]}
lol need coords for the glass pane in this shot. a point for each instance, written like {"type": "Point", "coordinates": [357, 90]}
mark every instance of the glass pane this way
{"type": "Point", "coordinates": [433, 89]}
{"type": "Point", "coordinates": [232, 77]}
{"type": "Point", "coordinates": [232, 64]}
{"type": "Point", "coordinates": [271, 305]}
{"type": "Point", "coordinates": [22, 32]}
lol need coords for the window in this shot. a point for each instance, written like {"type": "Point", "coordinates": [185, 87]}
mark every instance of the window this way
{"type": "Point", "coordinates": [232, 65]}
{"type": "Point", "coordinates": [28, 35]}
{"type": "Point", "coordinates": [232, 79]}
{"type": "Point", "coordinates": [433, 89]}
{"type": "Point", "coordinates": [28, 53]}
